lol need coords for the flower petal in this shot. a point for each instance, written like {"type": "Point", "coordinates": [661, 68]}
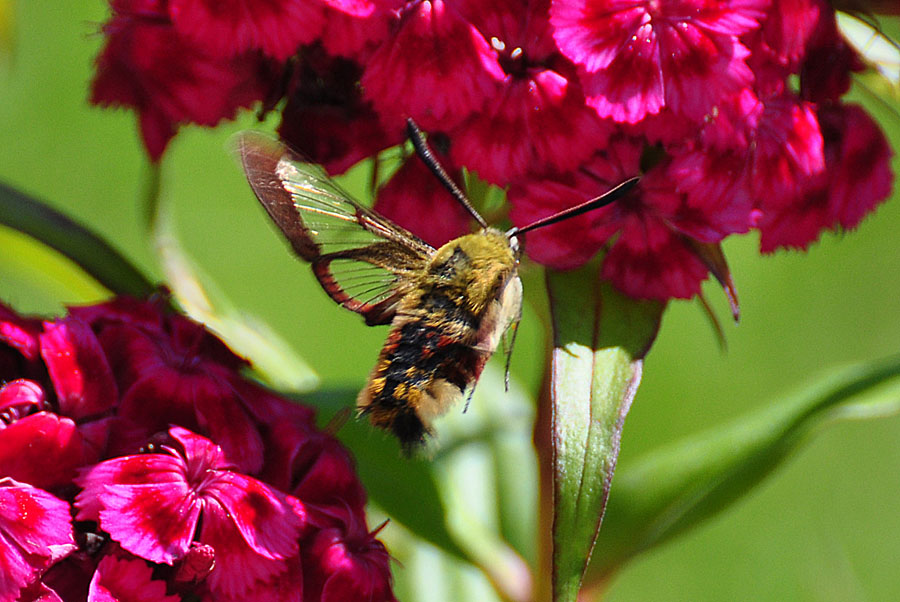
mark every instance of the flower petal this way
{"type": "Point", "coordinates": [126, 580]}
{"type": "Point", "coordinates": [78, 368]}
{"type": "Point", "coordinates": [238, 566]}
{"type": "Point", "coordinates": [35, 532]}
{"type": "Point", "coordinates": [461, 72]}
{"type": "Point", "coordinates": [42, 449]}
{"type": "Point", "coordinates": [144, 502]}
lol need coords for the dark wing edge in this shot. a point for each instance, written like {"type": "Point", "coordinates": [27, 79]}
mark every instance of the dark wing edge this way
{"type": "Point", "coordinates": [260, 155]}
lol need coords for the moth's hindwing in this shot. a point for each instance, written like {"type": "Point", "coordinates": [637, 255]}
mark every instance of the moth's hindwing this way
{"type": "Point", "coordinates": [364, 261]}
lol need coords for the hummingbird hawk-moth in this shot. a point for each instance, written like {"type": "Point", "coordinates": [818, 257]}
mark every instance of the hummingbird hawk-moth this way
{"type": "Point", "coordinates": [448, 308]}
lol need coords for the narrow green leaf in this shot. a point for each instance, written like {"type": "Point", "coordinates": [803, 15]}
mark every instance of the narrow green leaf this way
{"type": "Point", "coordinates": [674, 489]}
{"type": "Point", "coordinates": [90, 252]}
{"type": "Point", "coordinates": [600, 337]}
{"type": "Point", "coordinates": [245, 334]}
{"type": "Point", "coordinates": [42, 279]}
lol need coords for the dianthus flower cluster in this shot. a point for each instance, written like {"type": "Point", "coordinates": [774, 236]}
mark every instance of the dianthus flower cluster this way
{"type": "Point", "coordinates": [136, 463]}
{"type": "Point", "coordinates": [729, 110]}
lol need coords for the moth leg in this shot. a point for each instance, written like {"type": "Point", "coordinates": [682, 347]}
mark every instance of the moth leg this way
{"type": "Point", "coordinates": [508, 349]}
{"type": "Point", "coordinates": [469, 398]}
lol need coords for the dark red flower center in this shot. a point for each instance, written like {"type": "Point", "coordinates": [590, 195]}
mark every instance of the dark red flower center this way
{"type": "Point", "coordinates": [513, 59]}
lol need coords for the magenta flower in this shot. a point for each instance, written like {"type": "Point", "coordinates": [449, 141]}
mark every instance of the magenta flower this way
{"type": "Point", "coordinates": [752, 152]}
{"type": "Point", "coordinates": [857, 177]}
{"type": "Point", "coordinates": [460, 74]}
{"type": "Point", "coordinates": [354, 29]}
{"type": "Point", "coordinates": [650, 256]}
{"type": "Point", "coordinates": [126, 580]}
{"type": "Point", "coordinates": [638, 57]}
{"type": "Point", "coordinates": [36, 445]}
{"type": "Point", "coordinates": [826, 68]}
{"type": "Point", "coordinates": [278, 28]}
{"type": "Point", "coordinates": [535, 94]}
{"type": "Point", "coordinates": [326, 118]}
{"type": "Point", "coordinates": [786, 32]}
{"type": "Point", "coordinates": [78, 369]}
{"type": "Point", "coordinates": [35, 533]}
{"type": "Point", "coordinates": [152, 503]}
{"type": "Point", "coordinates": [539, 119]}
{"type": "Point", "coordinates": [346, 565]}
{"type": "Point", "coordinates": [147, 65]}
{"type": "Point", "coordinates": [175, 372]}
{"type": "Point", "coordinates": [19, 346]}
{"type": "Point", "coordinates": [111, 375]}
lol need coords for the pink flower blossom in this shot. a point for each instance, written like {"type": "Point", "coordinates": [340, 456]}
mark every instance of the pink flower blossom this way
{"type": "Point", "coordinates": [173, 499]}
{"type": "Point", "coordinates": [169, 80]}
{"type": "Point", "coordinates": [228, 28]}
{"type": "Point", "coordinates": [786, 31]}
{"type": "Point", "coordinates": [326, 118]}
{"type": "Point", "coordinates": [856, 178]}
{"type": "Point", "coordinates": [539, 120]}
{"type": "Point", "coordinates": [19, 346]}
{"type": "Point", "coordinates": [81, 376]}
{"type": "Point", "coordinates": [35, 533]}
{"type": "Point", "coordinates": [346, 565]}
{"type": "Point", "coordinates": [638, 57]}
{"type": "Point", "coordinates": [178, 373]}
{"type": "Point", "coordinates": [650, 256]}
{"type": "Point", "coordinates": [826, 68]}
{"type": "Point", "coordinates": [126, 580]}
{"type": "Point", "coordinates": [460, 74]}
{"type": "Point", "coordinates": [754, 151]}
{"type": "Point", "coordinates": [152, 503]}
{"type": "Point", "coordinates": [356, 29]}
{"type": "Point", "coordinates": [36, 445]}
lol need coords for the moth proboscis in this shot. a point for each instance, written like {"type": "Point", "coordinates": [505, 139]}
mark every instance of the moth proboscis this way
{"type": "Point", "coordinates": [448, 308]}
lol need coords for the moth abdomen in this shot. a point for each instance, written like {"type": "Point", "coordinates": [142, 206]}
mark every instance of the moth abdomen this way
{"type": "Point", "coordinates": [424, 368]}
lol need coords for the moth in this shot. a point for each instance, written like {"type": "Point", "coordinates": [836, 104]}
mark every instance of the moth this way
{"type": "Point", "coordinates": [448, 308]}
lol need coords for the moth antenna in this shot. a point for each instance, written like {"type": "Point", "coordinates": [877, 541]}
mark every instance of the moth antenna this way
{"type": "Point", "coordinates": [424, 152]}
{"type": "Point", "coordinates": [603, 200]}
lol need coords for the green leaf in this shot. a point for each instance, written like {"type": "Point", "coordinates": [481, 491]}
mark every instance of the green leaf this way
{"type": "Point", "coordinates": [248, 336]}
{"type": "Point", "coordinates": [600, 337]}
{"type": "Point", "coordinates": [90, 252]}
{"type": "Point", "coordinates": [42, 279]}
{"type": "Point", "coordinates": [674, 489]}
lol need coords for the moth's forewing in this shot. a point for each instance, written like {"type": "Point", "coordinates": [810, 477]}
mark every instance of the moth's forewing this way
{"type": "Point", "coordinates": [362, 260]}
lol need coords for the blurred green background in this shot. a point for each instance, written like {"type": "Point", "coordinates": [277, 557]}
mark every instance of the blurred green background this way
{"type": "Point", "coordinates": [826, 527]}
